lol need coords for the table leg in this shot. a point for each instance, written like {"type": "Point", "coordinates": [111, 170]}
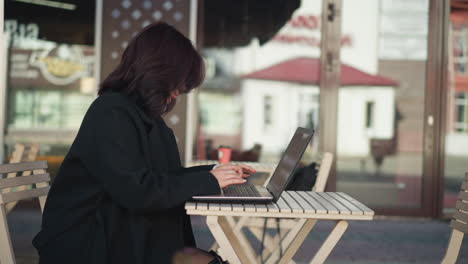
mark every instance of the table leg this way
{"type": "Point", "coordinates": [234, 248]}
{"type": "Point", "coordinates": [239, 233]}
{"type": "Point", "coordinates": [292, 241]}
{"type": "Point", "coordinates": [453, 248]}
{"type": "Point", "coordinates": [330, 242]}
{"type": "Point", "coordinates": [232, 222]}
{"type": "Point", "coordinates": [272, 243]}
{"type": "Point", "coordinates": [269, 243]}
{"type": "Point", "coordinates": [257, 227]}
{"type": "Point", "coordinates": [240, 222]}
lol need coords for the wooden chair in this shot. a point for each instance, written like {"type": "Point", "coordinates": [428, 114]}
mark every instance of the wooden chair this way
{"type": "Point", "coordinates": [21, 153]}
{"type": "Point", "coordinates": [39, 178]}
{"type": "Point", "coordinates": [459, 225]}
{"type": "Point", "coordinates": [24, 153]}
{"type": "Point", "coordinates": [290, 227]}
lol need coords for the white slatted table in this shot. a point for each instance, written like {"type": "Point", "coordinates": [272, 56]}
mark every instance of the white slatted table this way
{"type": "Point", "coordinates": [309, 206]}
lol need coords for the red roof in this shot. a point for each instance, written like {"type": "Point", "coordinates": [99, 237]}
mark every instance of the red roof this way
{"type": "Point", "coordinates": [306, 70]}
{"type": "Point", "coordinates": [459, 17]}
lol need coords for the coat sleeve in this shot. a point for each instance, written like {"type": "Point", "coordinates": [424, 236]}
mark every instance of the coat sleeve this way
{"type": "Point", "coordinates": [196, 168]}
{"type": "Point", "coordinates": [113, 154]}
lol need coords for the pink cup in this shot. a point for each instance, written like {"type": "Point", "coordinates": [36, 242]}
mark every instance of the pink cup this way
{"type": "Point", "coordinates": [224, 154]}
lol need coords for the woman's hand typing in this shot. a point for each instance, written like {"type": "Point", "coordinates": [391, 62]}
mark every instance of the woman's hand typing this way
{"type": "Point", "coordinates": [229, 174]}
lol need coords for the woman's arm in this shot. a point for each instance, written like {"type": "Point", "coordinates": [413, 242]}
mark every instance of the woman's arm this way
{"type": "Point", "coordinates": [113, 154]}
{"type": "Point", "coordinates": [196, 168]}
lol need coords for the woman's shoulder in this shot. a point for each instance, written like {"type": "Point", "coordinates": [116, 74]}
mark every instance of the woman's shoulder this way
{"type": "Point", "coordinates": [112, 99]}
{"type": "Point", "coordinates": [109, 104]}
{"type": "Point", "coordinates": [117, 103]}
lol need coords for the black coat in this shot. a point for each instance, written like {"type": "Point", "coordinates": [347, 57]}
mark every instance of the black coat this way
{"type": "Point", "coordinates": [120, 192]}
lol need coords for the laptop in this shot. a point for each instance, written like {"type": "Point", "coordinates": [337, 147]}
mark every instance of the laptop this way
{"type": "Point", "coordinates": [248, 193]}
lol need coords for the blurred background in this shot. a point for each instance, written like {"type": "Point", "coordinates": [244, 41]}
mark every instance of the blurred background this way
{"type": "Point", "coordinates": [374, 86]}
{"type": "Point", "coordinates": [384, 84]}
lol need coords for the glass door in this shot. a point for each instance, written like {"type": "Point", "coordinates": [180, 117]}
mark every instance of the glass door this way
{"type": "Point", "coordinates": [381, 103]}
{"type": "Point", "coordinates": [50, 80]}
{"type": "Point", "coordinates": [456, 125]}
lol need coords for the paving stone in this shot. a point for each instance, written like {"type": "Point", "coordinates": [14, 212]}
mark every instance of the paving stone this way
{"type": "Point", "coordinates": [368, 242]}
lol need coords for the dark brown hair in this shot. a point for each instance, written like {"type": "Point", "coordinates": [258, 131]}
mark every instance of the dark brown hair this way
{"type": "Point", "coordinates": [157, 61]}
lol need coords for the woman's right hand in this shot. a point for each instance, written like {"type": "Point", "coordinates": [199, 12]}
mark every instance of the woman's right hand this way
{"type": "Point", "coordinates": [229, 174]}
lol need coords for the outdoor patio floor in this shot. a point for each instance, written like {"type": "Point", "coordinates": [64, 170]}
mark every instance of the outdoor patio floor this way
{"type": "Point", "coordinates": [403, 240]}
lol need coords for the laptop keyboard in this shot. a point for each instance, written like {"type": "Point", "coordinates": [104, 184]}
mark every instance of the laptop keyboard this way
{"type": "Point", "coordinates": [241, 190]}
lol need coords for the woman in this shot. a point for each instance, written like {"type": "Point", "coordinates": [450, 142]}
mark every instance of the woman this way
{"type": "Point", "coordinates": [120, 192]}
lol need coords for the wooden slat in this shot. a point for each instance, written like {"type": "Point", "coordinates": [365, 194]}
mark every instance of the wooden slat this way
{"type": "Point", "coordinates": [6, 247]}
{"type": "Point", "coordinates": [464, 185]}
{"type": "Point", "coordinates": [462, 227]}
{"type": "Point", "coordinates": [314, 203]}
{"type": "Point", "coordinates": [462, 206]}
{"type": "Point", "coordinates": [343, 209]}
{"type": "Point", "coordinates": [463, 196]}
{"type": "Point", "coordinates": [323, 172]}
{"type": "Point", "coordinates": [272, 208]}
{"type": "Point", "coordinates": [304, 204]}
{"type": "Point", "coordinates": [21, 195]}
{"type": "Point", "coordinates": [202, 206]}
{"type": "Point", "coordinates": [350, 206]}
{"type": "Point", "coordinates": [225, 207]}
{"type": "Point", "coordinates": [237, 207]}
{"type": "Point", "coordinates": [328, 206]}
{"type": "Point", "coordinates": [250, 208]}
{"type": "Point", "coordinates": [213, 206]}
{"type": "Point", "coordinates": [24, 180]}
{"type": "Point", "coordinates": [190, 206]}
{"type": "Point", "coordinates": [461, 216]}
{"type": "Point", "coordinates": [261, 208]}
{"type": "Point", "coordinates": [283, 206]}
{"type": "Point", "coordinates": [365, 209]}
{"type": "Point", "coordinates": [296, 208]}
{"type": "Point", "coordinates": [325, 216]}
{"type": "Point", "coordinates": [24, 166]}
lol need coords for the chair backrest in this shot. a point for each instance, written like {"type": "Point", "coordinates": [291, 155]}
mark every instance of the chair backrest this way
{"type": "Point", "coordinates": [17, 153]}
{"type": "Point", "coordinates": [39, 179]}
{"type": "Point", "coordinates": [460, 218]}
{"type": "Point", "coordinates": [24, 152]}
{"type": "Point", "coordinates": [21, 153]}
{"type": "Point", "coordinates": [323, 172]}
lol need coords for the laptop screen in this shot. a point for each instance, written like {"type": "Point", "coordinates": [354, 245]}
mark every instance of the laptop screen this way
{"type": "Point", "coordinates": [289, 161]}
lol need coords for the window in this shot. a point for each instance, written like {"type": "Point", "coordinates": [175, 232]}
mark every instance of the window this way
{"type": "Point", "coordinates": [369, 114]}
{"type": "Point", "coordinates": [308, 110]}
{"type": "Point", "coordinates": [460, 49]}
{"type": "Point", "coordinates": [461, 112]}
{"type": "Point", "coordinates": [267, 111]}
{"type": "Point", "coordinates": [50, 67]}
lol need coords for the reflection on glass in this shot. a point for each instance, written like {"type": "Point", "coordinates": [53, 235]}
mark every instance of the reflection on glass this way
{"type": "Point", "coordinates": [261, 79]}
{"type": "Point", "coordinates": [456, 140]}
{"type": "Point", "coordinates": [51, 84]}
{"type": "Point", "coordinates": [50, 81]}
{"type": "Point", "coordinates": [381, 102]}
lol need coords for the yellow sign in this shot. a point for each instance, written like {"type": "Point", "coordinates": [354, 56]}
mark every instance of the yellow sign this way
{"type": "Point", "coordinates": [60, 67]}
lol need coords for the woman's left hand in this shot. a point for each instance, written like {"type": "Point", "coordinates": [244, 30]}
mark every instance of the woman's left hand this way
{"type": "Point", "coordinates": [243, 170]}
{"type": "Point", "coordinates": [246, 170]}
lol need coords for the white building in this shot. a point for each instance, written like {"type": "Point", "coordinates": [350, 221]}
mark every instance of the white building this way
{"type": "Point", "coordinates": [282, 97]}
